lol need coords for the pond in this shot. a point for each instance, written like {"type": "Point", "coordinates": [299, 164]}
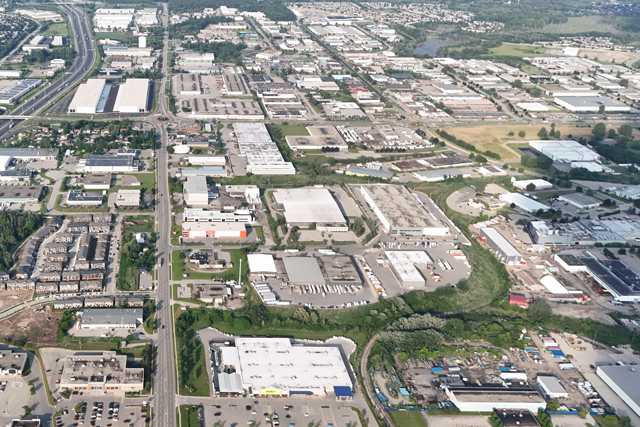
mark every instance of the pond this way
{"type": "Point", "coordinates": [430, 46]}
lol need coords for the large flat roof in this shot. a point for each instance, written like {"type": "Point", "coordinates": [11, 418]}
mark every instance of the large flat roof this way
{"type": "Point", "coordinates": [404, 263]}
{"type": "Point", "coordinates": [100, 160]}
{"type": "Point", "coordinates": [523, 202]}
{"type": "Point", "coordinates": [20, 191]}
{"type": "Point", "coordinates": [29, 152]}
{"type": "Point", "coordinates": [303, 270]}
{"type": "Point", "coordinates": [196, 184]}
{"type": "Point", "coordinates": [624, 381]}
{"type": "Point", "coordinates": [113, 316]}
{"type": "Point", "coordinates": [88, 94]}
{"type": "Point", "coordinates": [265, 362]}
{"type": "Point", "coordinates": [133, 94]}
{"type": "Point", "coordinates": [564, 150]}
{"type": "Point", "coordinates": [261, 263]}
{"type": "Point", "coordinates": [307, 205]}
{"type": "Point", "coordinates": [501, 242]}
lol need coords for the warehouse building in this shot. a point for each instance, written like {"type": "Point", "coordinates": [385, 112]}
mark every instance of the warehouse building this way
{"type": "Point", "coordinates": [5, 162]}
{"type": "Point", "coordinates": [621, 282]}
{"type": "Point", "coordinates": [15, 176]}
{"type": "Point", "coordinates": [96, 181]}
{"type": "Point", "coordinates": [354, 170]}
{"type": "Point", "coordinates": [100, 163]}
{"type": "Point", "coordinates": [591, 104]}
{"type": "Point", "coordinates": [196, 191]}
{"type": "Point", "coordinates": [500, 246]}
{"type": "Point", "coordinates": [133, 96]}
{"type": "Point", "coordinates": [539, 184]}
{"type": "Point", "coordinates": [580, 201]}
{"type": "Point", "coordinates": [200, 215]}
{"type": "Point", "coordinates": [406, 267]}
{"type": "Point", "coordinates": [565, 151]}
{"type": "Point", "coordinates": [123, 318]}
{"type": "Point", "coordinates": [263, 155]}
{"type": "Point", "coordinates": [486, 399]}
{"type": "Point", "coordinates": [523, 202]}
{"type": "Point", "coordinates": [623, 380]}
{"type": "Point", "coordinates": [262, 264]}
{"type": "Point", "coordinates": [100, 373]}
{"type": "Point", "coordinates": [551, 387]}
{"type": "Point", "coordinates": [12, 363]}
{"type": "Point", "coordinates": [20, 193]}
{"type": "Point", "coordinates": [303, 270]}
{"type": "Point", "coordinates": [128, 198]}
{"type": "Point", "coordinates": [29, 154]}
{"type": "Point", "coordinates": [440, 174]}
{"type": "Point", "coordinates": [276, 367]}
{"type": "Point", "coordinates": [305, 206]}
{"type": "Point", "coordinates": [91, 97]}
{"type": "Point", "coordinates": [220, 230]}
{"type": "Point", "coordinates": [400, 212]}
{"type": "Point", "coordinates": [10, 92]}
{"type": "Point", "coordinates": [339, 270]}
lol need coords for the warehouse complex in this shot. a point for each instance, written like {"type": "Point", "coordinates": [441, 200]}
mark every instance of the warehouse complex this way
{"type": "Point", "coordinates": [406, 266]}
{"type": "Point", "coordinates": [100, 163]}
{"type": "Point", "coordinates": [623, 380]}
{"type": "Point", "coordinates": [277, 367]}
{"type": "Point", "coordinates": [196, 191]}
{"type": "Point", "coordinates": [91, 97]}
{"type": "Point", "coordinates": [198, 224]}
{"type": "Point", "coordinates": [133, 97]}
{"type": "Point", "coordinates": [100, 373]}
{"type": "Point", "coordinates": [305, 206]}
{"type": "Point", "coordinates": [12, 91]}
{"type": "Point", "coordinates": [263, 155]}
{"type": "Point", "coordinates": [124, 318]}
{"type": "Point", "coordinates": [565, 151]}
{"type": "Point", "coordinates": [486, 399]}
{"type": "Point", "coordinates": [20, 193]}
{"type": "Point", "coordinates": [400, 212]}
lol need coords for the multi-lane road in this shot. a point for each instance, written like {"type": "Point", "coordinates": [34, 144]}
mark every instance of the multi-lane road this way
{"type": "Point", "coordinates": [82, 65]}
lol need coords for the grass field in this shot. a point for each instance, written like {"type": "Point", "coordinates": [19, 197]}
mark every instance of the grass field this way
{"type": "Point", "coordinates": [520, 50]}
{"type": "Point", "coordinates": [407, 418]}
{"type": "Point", "coordinates": [178, 267]}
{"type": "Point", "coordinates": [59, 29]}
{"type": "Point", "coordinates": [293, 129]}
{"type": "Point", "coordinates": [577, 24]}
{"type": "Point", "coordinates": [493, 137]}
{"type": "Point", "coordinates": [189, 416]}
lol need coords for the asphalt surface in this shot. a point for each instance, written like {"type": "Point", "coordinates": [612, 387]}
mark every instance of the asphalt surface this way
{"type": "Point", "coordinates": [81, 66]}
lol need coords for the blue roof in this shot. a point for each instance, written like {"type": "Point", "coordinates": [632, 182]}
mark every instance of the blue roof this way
{"type": "Point", "coordinates": [303, 392]}
{"type": "Point", "coordinates": [343, 391]}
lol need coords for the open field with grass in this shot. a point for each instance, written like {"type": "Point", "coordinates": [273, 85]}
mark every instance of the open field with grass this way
{"type": "Point", "coordinates": [59, 29]}
{"type": "Point", "coordinates": [178, 267]}
{"type": "Point", "coordinates": [189, 416]}
{"type": "Point", "coordinates": [408, 418]}
{"type": "Point", "coordinates": [520, 50]}
{"type": "Point", "coordinates": [123, 38]}
{"type": "Point", "coordinates": [293, 129]}
{"type": "Point", "coordinates": [494, 137]}
{"type": "Point", "coordinates": [577, 24]}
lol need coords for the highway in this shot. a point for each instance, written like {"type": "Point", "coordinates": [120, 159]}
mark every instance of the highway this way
{"type": "Point", "coordinates": [81, 66]}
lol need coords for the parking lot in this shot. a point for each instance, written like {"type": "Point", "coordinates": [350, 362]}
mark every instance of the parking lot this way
{"type": "Point", "coordinates": [306, 411]}
{"type": "Point", "coordinates": [101, 411]}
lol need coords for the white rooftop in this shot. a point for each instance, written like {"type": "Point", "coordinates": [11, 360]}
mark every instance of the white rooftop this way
{"type": "Point", "coordinates": [307, 205]}
{"type": "Point", "coordinates": [88, 94]}
{"type": "Point", "coordinates": [275, 361]}
{"type": "Point", "coordinates": [405, 262]}
{"type": "Point", "coordinates": [261, 263]}
{"type": "Point", "coordinates": [564, 151]}
{"type": "Point", "coordinates": [523, 202]}
{"type": "Point", "coordinates": [504, 245]}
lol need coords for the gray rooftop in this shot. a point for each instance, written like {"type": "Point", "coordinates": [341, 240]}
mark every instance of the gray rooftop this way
{"type": "Point", "coordinates": [96, 160]}
{"type": "Point", "coordinates": [114, 316]}
{"type": "Point", "coordinates": [304, 270]}
{"type": "Point", "coordinates": [359, 170]}
{"type": "Point", "coordinates": [626, 378]}
{"type": "Point", "coordinates": [33, 152]}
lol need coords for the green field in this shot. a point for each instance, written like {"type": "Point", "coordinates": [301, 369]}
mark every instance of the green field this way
{"type": "Point", "coordinates": [579, 24]}
{"type": "Point", "coordinates": [520, 50]}
{"type": "Point", "coordinates": [178, 267]}
{"type": "Point", "coordinates": [123, 38]}
{"type": "Point", "coordinates": [407, 418]}
{"type": "Point", "coordinates": [293, 129]}
{"type": "Point", "coordinates": [189, 416]}
{"type": "Point", "coordinates": [59, 29]}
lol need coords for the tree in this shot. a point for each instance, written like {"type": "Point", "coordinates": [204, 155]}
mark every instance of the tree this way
{"type": "Point", "coordinates": [510, 133]}
{"type": "Point", "coordinates": [579, 189]}
{"type": "Point", "coordinates": [531, 186]}
{"type": "Point", "coordinates": [583, 413]}
{"type": "Point", "coordinates": [539, 311]}
{"type": "Point", "coordinates": [553, 404]}
{"type": "Point", "coordinates": [601, 109]}
{"type": "Point", "coordinates": [517, 84]}
{"type": "Point", "coordinates": [481, 159]}
{"type": "Point", "coordinates": [624, 82]}
{"type": "Point", "coordinates": [626, 131]}
{"type": "Point", "coordinates": [542, 133]}
{"type": "Point", "coordinates": [622, 251]}
{"type": "Point", "coordinates": [599, 131]}
{"type": "Point", "coordinates": [522, 134]}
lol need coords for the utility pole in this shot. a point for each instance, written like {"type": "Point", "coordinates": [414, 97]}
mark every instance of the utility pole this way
{"type": "Point", "coordinates": [240, 273]}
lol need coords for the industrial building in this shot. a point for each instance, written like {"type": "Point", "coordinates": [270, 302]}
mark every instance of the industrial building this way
{"type": "Point", "coordinates": [623, 380]}
{"type": "Point", "coordinates": [262, 264]}
{"type": "Point", "coordinates": [276, 367]}
{"type": "Point", "coordinates": [200, 215]}
{"type": "Point", "coordinates": [12, 91]}
{"type": "Point", "coordinates": [622, 283]}
{"type": "Point", "coordinates": [123, 318]}
{"type": "Point", "coordinates": [516, 418]}
{"type": "Point", "coordinates": [15, 176]}
{"type": "Point", "coordinates": [406, 266]}
{"type": "Point", "coordinates": [30, 154]}
{"type": "Point", "coordinates": [133, 96]}
{"type": "Point", "coordinates": [339, 270]}
{"type": "Point", "coordinates": [523, 202]}
{"type": "Point", "coordinates": [20, 193]}
{"type": "Point", "coordinates": [96, 181]}
{"type": "Point", "coordinates": [580, 200]}
{"type": "Point", "coordinates": [81, 198]}
{"type": "Point", "coordinates": [486, 399]}
{"type": "Point", "coordinates": [100, 373]}
{"type": "Point", "coordinates": [631, 192]}
{"type": "Point", "coordinates": [128, 198]}
{"type": "Point", "coordinates": [305, 206]}
{"type": "Point", "coordinates": [91, 97]}
{"type": "Point", "coordinates": [100, 163]}
{"type": "Point", "coordinates": [196, 191]}
{"type": "Point", "coordinates": [221, 230]}
{"type": "Point", "coordinates": [565, 151]}
{"type": "Point", "coordinates": [319, 137]}
{"type": "Point", "coordinates": [551, 387]}
{"type": "Point", "coordinates": [500, 246]}
{"type": "Point", "coordinates": [440, 174]}
{"type": "Point", "coordinates": [5, 162]}
{"type": "Point", "coordinates": [400, 212]}
{"type": "Point", "coordinates": [303, 270]}
{"type": "Point", "coordinates": [367, 172]}
{"type": "Point", "coordinates": [591, 104]}
{"type": "Point", "coordinates": [263, 155]}
{"type": "Point", "coordinates": [539, 184]}
{"type": "Point", "coordinates": [113, 19]}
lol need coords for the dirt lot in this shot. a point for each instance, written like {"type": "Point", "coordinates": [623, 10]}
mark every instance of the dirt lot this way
{"type": "Point", "coordinates": [10, 298]}
{"type": "Point", "coordinates": [41, 327]}
{"type": "Point", "coordinates": [494, 138]}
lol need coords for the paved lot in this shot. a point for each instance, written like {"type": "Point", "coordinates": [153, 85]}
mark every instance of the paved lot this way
{"type": "Point", "coordinates": [457, 421]}
{"type": "Point", "coordinates": [128, 414]}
